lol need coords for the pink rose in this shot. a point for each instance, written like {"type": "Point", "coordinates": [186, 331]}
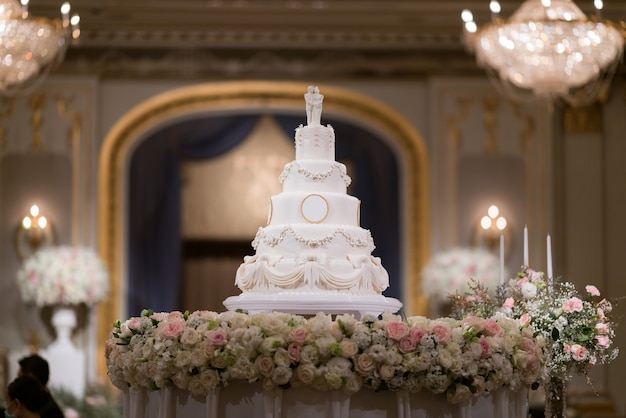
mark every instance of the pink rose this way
{"type": "Point", "coordinates": [294, 351]}
{"type": "Point", "coordinates": [603, 341]}
{"type": "Point", "coordinates": [534, 276]}
{"type": "Point", "coordinates": [175, 315]}
{"type": "Point", "coordinates": [478, 324]}
{"type": "Point", "coordinates": [134, 323]}
{"type": "Point", "coordinates": [396, 330]}
{"type": "Point", "coordinates": [573, 305]}
{"type": "Point", "coordinates": [441, 331]}
{"type": "Point", "coordinates": [566, 348]}
{"type": "Point", "coordinates": [216, 337]}
{"type": "Point", "coordinates": [158, 316]}
{"type": "Point", "coordinates": [416, 333]}
{"type": "Point", "coordinates": [592, 290]}
{"type": "Point", "coordinates": [508, 303]}
{"type": "Point", "coordinates": [602, 328]}
{"type": "Point", "coordinates": [298, 335]}
{"type": "Point", "coordinates": [525, 319]}
{"type": "Point", "coordinates": [172, 329]}
{"type": "Point", "coordinates": [606, 305]}
{"type": "Point", "coordinates": [527, 344]}
{"type": "Point", "coordinates": [108, 348]}
{"type": "Point", "coordinates": [578, 352]}
{"type": "Point", "coordinates": [486, 348]}
{"type": "Point", "coordinates": [492, 328]}
{"type": "Point", "coordinates": [407, 344]}
{"type": "Point", "coordinates": [521, 282]}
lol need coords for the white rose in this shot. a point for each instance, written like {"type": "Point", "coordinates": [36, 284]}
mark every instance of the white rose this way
{"type": "Point", "coordinates": [196, 386]}
{"type": "Point", "coordinates": [354, 383]}
{"type": "Point", "coordinates": [210, 378]}
{"type": "Point", "coordinates": [529, 290]}
{"type": "Point", "coordinates": [281, 375]}
{"type": "Point", "coordinates": [386, 371]}
{"type": "Point", "coordinates": [306, 373]}
{"type": "Point", "coordinates": [189, 336]}
{"type": "Point", "coordinates": [281, 358]}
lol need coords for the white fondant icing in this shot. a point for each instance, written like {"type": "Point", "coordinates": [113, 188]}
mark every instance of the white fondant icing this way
{"type": "Point", "coordinates": [315, 175]}
{"type": "Point", "coordinates": [315, 143]}
{"type": "Point", "coordinates": [287, 208]}
{"type": "Point", "coordinates": [331, 239]}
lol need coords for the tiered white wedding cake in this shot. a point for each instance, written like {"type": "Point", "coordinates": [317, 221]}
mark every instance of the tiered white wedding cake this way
{"type": "Point", "coordinates": [313, 254]}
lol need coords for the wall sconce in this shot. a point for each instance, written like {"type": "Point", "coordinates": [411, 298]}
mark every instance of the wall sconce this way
{"type": "Point", "coordinates": [34, 232]}
{"type": "Point", "coordinates": [491, 226]}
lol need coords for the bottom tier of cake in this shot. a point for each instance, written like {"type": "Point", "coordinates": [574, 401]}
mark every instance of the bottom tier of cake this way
{"type": "Point", "coordinates": [310, 303]}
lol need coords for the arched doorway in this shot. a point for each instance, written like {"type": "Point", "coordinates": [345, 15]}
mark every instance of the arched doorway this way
{"type": "Point", "coordinates": [244, 97]}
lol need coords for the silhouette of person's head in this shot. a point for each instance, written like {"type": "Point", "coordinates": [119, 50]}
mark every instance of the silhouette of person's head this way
{"type": "Point", "coordinates": [35, 366]}
{"type": "Point", "coordinates": [25, 392]}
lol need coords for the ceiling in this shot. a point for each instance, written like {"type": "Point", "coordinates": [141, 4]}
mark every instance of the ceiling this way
{"type": "Point", "coordinates": [275, 38]}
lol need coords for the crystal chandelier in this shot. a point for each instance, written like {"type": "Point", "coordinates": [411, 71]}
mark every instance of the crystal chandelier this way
{"type": "Point", "coordinates": [31, 46]}
{"type": "Point", "coordinates": [549, 49]}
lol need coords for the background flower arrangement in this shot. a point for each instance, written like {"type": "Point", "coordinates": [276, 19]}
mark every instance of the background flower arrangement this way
{"type": "Point", "coordinates": [579, 329]}
{"type": "Point", "coordinates": [63, 275]}
{"type": "Point", "coordinates": [100, 401]}
{"type": "Point", "coordinates": [452, 270]}
{"type": "Point", "coordinates": [203, 350]}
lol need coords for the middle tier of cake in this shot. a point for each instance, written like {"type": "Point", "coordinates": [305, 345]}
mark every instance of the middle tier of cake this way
{"type": "Point", "coordinates": [314, 208]}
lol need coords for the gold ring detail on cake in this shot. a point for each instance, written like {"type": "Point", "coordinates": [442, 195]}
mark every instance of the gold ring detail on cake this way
{"type": "Point", "coordinates": [310, 207]}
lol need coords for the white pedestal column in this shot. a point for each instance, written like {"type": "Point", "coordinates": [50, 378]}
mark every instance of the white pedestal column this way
{"type": "Point", "coordinates": [67, 363]}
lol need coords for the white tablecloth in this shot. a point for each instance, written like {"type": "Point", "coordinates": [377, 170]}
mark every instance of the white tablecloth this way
{"type": "Point", "coordinates": [250, 400]}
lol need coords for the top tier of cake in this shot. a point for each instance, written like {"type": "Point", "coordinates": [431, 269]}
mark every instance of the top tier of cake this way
{"type": "Point", "coordinates": [314, 141]}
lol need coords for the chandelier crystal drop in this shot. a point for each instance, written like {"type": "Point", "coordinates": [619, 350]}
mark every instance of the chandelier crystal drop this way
{"type": "Point", "coordinates": [549, 49]}
{"type": "Point", "coordinates": [31, 46]}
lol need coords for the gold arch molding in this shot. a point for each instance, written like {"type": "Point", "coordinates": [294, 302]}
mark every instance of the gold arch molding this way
{"type": "Point", "coordinates": [233, 97]}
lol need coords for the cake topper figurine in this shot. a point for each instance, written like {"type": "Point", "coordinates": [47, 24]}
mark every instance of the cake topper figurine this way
{"type": "Point", "coordinates": [314, 101]}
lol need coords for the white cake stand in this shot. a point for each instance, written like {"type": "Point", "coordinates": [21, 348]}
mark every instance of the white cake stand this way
{"type": "Point", "coordinates": [312, 303]}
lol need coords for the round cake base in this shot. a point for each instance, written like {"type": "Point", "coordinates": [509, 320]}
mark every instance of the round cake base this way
{"type": "Point", "coordinates": [312, 303]}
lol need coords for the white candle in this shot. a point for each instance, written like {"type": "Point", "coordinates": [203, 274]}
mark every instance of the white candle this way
{"type": "Point", "coordinates": [549, 249]}
{"type": "Point", "coordinates": [501, 259]}
{"type": "Point", "coordinates": [525, 246]}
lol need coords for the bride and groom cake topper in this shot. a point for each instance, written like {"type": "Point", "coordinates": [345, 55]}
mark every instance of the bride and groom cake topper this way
{"type": "Point", "coordinates": [313, 100]}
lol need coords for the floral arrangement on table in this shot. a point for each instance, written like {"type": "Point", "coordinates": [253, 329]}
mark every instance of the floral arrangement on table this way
{"type": "Point", "coordinates": [452, 270]}
{"type": "Point", "coordinates": [63, 275]}
{"type": "Point", "coordinates": [204, 350]}
{"type": "Point", "coordinates": [578, 328]}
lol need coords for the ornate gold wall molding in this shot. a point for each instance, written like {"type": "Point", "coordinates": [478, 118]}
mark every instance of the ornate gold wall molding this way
{"type": "Point", "coordinates": [233, 97]}
{"type": "Point", "coordinates": [584, 119]}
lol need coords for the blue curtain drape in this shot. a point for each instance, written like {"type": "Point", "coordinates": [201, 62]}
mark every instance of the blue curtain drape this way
{"type": "Point", "coordinates": [154, 244]}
